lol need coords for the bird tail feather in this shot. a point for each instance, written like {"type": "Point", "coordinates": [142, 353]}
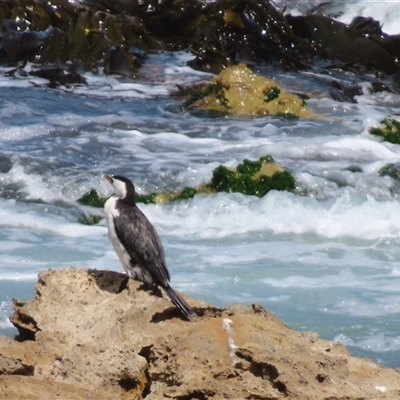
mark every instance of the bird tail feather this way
{"type": "Point", "coordinates": [184, 307]}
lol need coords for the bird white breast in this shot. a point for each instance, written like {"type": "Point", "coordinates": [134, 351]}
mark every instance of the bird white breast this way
{"type": "Point", "coordinates": [112, 212]}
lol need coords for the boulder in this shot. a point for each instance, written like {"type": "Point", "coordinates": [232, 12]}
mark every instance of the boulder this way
{"type": "Point", "coordinates": [239, 92]}
{"type": "Point", "coordinates": [96, 334]}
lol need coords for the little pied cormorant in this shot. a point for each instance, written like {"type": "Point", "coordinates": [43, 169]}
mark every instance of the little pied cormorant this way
{"type": "Point", "coordinates": [136, 241]}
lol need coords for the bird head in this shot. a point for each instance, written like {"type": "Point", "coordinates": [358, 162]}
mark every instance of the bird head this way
{"type": "Point", "coordinates": [123, 187]}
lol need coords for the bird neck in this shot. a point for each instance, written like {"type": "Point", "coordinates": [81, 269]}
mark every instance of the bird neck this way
{"type": "Point", "coordinates": [130, 199]}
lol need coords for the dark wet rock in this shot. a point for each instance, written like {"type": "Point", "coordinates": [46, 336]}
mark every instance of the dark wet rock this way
{"type": "Point", "coordinates": [366, 26]}
{"type": "Point", "coordinates": [5, 163]}
{"type": "Point", "coordinates": [395, 82]}
{"type": "Point", "coordinates": [218, 33]}
{"type": "Point", "coordinates": [121, 61]}
{"type": "Point", "coordinates": [20, 41]}
{"type": "Point", "coordinates": [377, 85]}
{"type": "Point", "coordinates": [60, 31]}
{"type": "Point", "coordinates": [58, 76]}
{"type": "Point", "coordinates": [342, 92]}
{"type": "Point", "coordinates": [250, 31]}
{"type": "Point", "coordinates": [210, 59]}
{"type": "Point", "coordinates": [334, 39]}
{"type": "Point", "coordinates": [392, 170]}
{"type": "Point", "coordinates": [354, 168]}
{"type": "Point", "coordinates": [19, 71]}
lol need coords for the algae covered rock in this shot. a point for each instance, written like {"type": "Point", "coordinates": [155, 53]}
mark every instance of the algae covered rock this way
{"type": "Point", "coordinates": [254, 178]}
{"type": "Point", "coordinates": [238, 91]}
{"type": "Point", "coordinates": [392, 170]}
{"type": "Point", "coordinates": [92, 199]}
{"type": "Point", "coordinates": [389, 130]}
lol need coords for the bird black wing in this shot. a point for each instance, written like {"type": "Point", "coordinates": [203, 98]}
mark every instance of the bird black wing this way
{"type": "Point", "coordinates": [142, 242]}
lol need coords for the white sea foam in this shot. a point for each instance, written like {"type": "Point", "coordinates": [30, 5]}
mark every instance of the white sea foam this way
{"type": "Point", "coordinates": [224, 215]}
{"type": "Point", "coordinates": [114, 88]}
{"type": "Point", "coordinates": [376, 342]}
{"type": "Point", "coordinates": [174, 71]}
{"type": "Point", "coordinates": [22, 132]}
{"type": "Point", "coordinates": [5, 324]}
{"type": "Point", "coordinates": [361, 306]}
{"type": "Point", "coordinates": [364, 148]}
{"type": "Point", "coordinates": [97, 85]}
{"type": "Point", "coordinates": [343, 278]}
{"type": "Point", "coordinates": [15, 276]}
{"type": "Point", "coordinates": [17, 215]}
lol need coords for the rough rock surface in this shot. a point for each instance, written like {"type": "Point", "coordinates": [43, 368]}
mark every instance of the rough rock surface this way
{"type": "Point", "coordinates": [239, 91]}
{"type": "Point", "coordinates": [94, 334]}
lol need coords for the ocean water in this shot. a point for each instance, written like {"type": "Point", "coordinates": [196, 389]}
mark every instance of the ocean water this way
{"type": "Point", "coordinates": [328, 261]}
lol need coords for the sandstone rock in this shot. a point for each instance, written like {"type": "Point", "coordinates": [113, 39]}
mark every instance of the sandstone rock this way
{"type": "Point", "coordinates": [94, 334]}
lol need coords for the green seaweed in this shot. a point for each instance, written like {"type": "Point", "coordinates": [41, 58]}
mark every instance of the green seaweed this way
{"type": "Point", "coordinates": [390, 130]}
{"type": "Point", "coordinates": [283, 180]}
{"type": "Point", "coordinates": [245, 180]}
{"type": "Point", "coordinates": [214, 91]}
{"type": "Point", "coordinates": [288, 116]}
{"type": "Point", "coordinates": [90, 219]}
{"type": "Point", "coordinates": [222, 179]}
{"type": "Point", "coordinates": [249, 167]}
{"type": "Point", "coordinates": [146, 198]}
{"type": "Point", "coordinates": [272, 93]}
{"type": "Point", "coordinates": [267, 159]}
{"type": "Point", "coordinates": [186, 193]}
{"type": "Point", "coordinates": [92, 199]}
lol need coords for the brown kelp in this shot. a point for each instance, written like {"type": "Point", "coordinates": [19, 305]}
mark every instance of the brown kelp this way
{"type": "Point", "coordinates": [118, 34]}
{"type": "Point", "coordinates": [362, 43]}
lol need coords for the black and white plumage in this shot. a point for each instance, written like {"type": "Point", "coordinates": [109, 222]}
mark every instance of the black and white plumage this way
{"type": "Point", "coordinates": [136, 241]}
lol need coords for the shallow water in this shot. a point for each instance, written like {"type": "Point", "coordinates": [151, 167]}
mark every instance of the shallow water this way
{"type": "Point", "coordinates": [326, 262]}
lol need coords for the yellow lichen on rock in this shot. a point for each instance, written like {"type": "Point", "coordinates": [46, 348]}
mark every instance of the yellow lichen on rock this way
{"type": "Point", "coordinates": [268, 169]}
{"type": "Point", "coordinates": [238, 91]}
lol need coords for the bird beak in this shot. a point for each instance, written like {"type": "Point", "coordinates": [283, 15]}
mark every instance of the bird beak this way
{"type": "Point", "coordinates": [108, 179]}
